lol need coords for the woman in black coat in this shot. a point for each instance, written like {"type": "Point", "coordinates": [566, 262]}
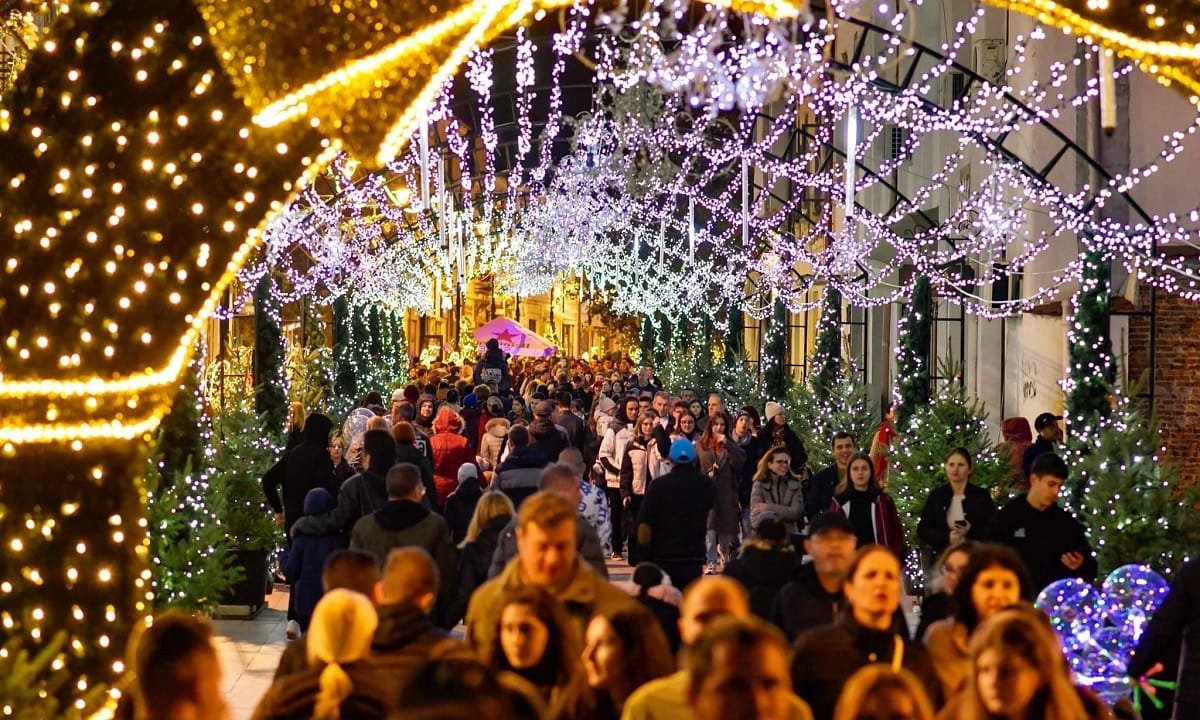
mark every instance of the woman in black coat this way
{"type": "Point", "coordinates": [955, 511]}
{"type": "Point", "coordinates": [493, 512]}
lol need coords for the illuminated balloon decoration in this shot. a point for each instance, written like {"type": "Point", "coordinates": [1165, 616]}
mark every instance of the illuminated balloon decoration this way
{"type": "Point", "coordinates": [1100, 628]}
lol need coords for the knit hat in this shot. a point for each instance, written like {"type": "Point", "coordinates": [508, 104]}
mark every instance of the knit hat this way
{"type": "Point", "coordinates": [682, 451]}
{"type": "Point", "coordinates": [467, 471]}
{"type": "Point", "coordinates": [397, 396]}
{"type": "Point", "coordinates": [773, 409]}
{"type": "Point", "coordinates": [469, 400]}
{"type": "Point", "coordinates": [411, 393]}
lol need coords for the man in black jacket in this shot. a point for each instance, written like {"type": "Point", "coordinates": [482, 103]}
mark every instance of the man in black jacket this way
{"type": "Point", "coordinates": [819, 494]}
{"type": "Point", "coordinates": [674, 517]}
{"type": "Point", "coordinates": [1048, 435]}
{"type": "Point", "coordinates": [1053, 544]}
{"type": "Point", "coordinates": [301, 469]}
{"type": "Point", "coordinates": [815, 597]}
{"type": "Point", "coordinates": [406, 637]}
{"type": "Point", "coordinates": [1176, 620]}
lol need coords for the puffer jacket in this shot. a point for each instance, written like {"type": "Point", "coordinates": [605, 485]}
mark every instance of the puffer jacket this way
{"type": "Point", "coordinates": [635, 467]}
{"type": "Point", "coordinates": [450, 452]}
{"type": "Point", "coordinates": [782, 496]}
{"type": "Point", "coordinates": [491, 445]}
{"type": "Point", "coordinates": [612, 450]}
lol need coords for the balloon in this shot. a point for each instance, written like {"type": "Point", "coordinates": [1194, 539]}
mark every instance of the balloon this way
{"type": "Point", "coordinates": [1075, 611]}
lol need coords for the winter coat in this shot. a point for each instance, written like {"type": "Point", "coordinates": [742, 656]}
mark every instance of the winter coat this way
{"type": "Point", "coordinates": [404, 523]}
{"type": "Point", "coordinates": [412, 454]}
{"type": "Point", "coordinates": [820, 490]}
{"type": "Point", "coordinates": [675, 511]}
{"type": "Point", "coordinates": [724, 467]}
{"type": "Point", "coordinates": [406, 639]}
{"type": "Point", "coordinates": [460, 506]}
{"type": "Point", "coordinates": [450, 452]}
{"type": "Point", "coordinates": [593, 507]}
{"type": "Point", "coordinates": [635, 467]}
{"type": "Point", "coordinates": [361, 495]}
{"type": "Point", "coordinates": [947, 641]}
{"type": "Point", "coordinates": [782, 496]}
{"type": "Point", "coordinates": [548, 437]}
{"type": "Point", "coordinates": [770, 436]}
{"type": "Point", "coordinates": [491, 445]}
{"type": "Point", "coordinates": [824, 659]}
{"type": "Point", "coordinates": [977, 506]}
{"type": "Point", "coordinates": [306, 559]}
{"type": "Point", "coordinates": [474, 560]}
{"type": "Point", "coordinates": [1178, 618]}
{"type": "Point", "coordinates": [574, 426]}
{"type": "Point", "coordinates": [612, 450]}
{"type": "Point", "coordinates": [492, 368]}
{"type": "Point", "coordinates": [301, 469]}
{"type": "Point", "coordinates": [1016, 437]}
{"type": "Point", "coordinates": [885, 520]}
{"type": "Point", "coordinates": [763, 569]}
{"type": "Point", "coordinates": [587, 545]}
{"type": "Point", "coordinates": [1041, 538]}
{"type": "Point", "coordinates": [294, 696]}
{"type": "Point", "coordinates": [586, 594]}
{"type": "Point", "coordinates": [471, 417]}
{"type": "Point", "coordinates": [752, 449]}
{"type": "Point", "coordinates": [520, 473]}
{"type": "Point", "coordinates": [804, 604]}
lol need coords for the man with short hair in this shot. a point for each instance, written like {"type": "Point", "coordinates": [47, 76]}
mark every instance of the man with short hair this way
{"type": "Point", "coordinates": [673, 522]}
{"type": "Point", "coordinates": [715, 406]}
{"type": "Point", "coordinates": [820, 492]}
{"type": "Point", "coordinates": [402, 522]}
{"type": "Point", "coordinates": [544, 433]}
{"type": "Point", "coordinates": [561, 480]}
{"type": "Point", "coordinates": [662, 407]}
{"type": "Point", "coordinates": [740, 668]}
{"type": "Point", "coordinates": [704, 601]}
{"type": "Point", "coordinates": [405, 596]}
{"type": "Point", "coordinates": [547, 558]}
{"type": "Point", "coordinates": [1049, 434]}
{"type": "Point", "coordinates": [1052, 543]}
{"type": "Point", "coordinates": [574, 425]}
{"type": "Point", "coordinates": [176, 671]}
{"type": "Point", "coordinates": [347, 569]}
{"type": "Point", "coordinates": [687, 395]}
{"type": "Point", "coordinates": [814, 597]}
{"type": "Point", "coordinates": [518, 475]}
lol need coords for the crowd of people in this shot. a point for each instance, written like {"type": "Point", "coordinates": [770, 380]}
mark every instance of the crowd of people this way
{"type": "Point", "coordinates": [491, 496]}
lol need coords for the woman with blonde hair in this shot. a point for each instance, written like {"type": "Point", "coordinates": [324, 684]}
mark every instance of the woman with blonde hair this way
{"type": "Point", "coordinates": [879, 692]}
{"type": "Point", "coordinates": [1018, 672]}
{"type": "Point", "coordinates": [775, 489]}
{"type": "Point", "coordinates": [339, 681]}
{"type": "Point", "coordinates": [492, 514]}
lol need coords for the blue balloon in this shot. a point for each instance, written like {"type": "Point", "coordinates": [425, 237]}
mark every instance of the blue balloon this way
{"type": "Point", "coordinates": [1075, 609]}
{"type": "Point", "coordinates": [1134, 593]}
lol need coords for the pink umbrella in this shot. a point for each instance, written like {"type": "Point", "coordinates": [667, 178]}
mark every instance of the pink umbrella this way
{"type": "Point", "coordinates": [514, 338]}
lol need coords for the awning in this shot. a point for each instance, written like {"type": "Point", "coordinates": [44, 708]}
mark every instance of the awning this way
{"type": "Point", "coordinates": [514, 338]}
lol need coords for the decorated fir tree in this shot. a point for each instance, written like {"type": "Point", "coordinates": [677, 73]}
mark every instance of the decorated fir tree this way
{"type": "Point", "coordinates": [270, 381]}
{"type": "Point", "coordinates": [848, 406]}
{"type": "Point", "coordinates": [188, 547]}
{"type": "Point", "coordinates": [32, 682]}
{"type": "Point", "coordinates": [951, 419]}
{"type": "Point", "coordinates": [1134, 507]}
{"type": "Point", "coordinates": [827, 357]}
{"type": "Point", "coordinates": [241, 456]}
{"type": "Point", "coordinates": [913, 361]}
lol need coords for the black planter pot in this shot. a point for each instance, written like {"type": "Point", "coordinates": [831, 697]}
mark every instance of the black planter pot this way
{"type": "Point", "coordinates": [251, 590]}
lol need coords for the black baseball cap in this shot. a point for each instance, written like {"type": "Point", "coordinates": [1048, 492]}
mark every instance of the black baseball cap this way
{"type": "Point", "coordinates": [1045, 420]}
{"type": "Point", "coordinates": [827, 521]}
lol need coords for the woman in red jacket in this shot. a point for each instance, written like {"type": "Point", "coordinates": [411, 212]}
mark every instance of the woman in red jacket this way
{"type": "Point", "coordinates": [450, 451]}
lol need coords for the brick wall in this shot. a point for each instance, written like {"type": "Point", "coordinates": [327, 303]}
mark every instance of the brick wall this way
{"type": "Point", "coordinates": [1177, 375]}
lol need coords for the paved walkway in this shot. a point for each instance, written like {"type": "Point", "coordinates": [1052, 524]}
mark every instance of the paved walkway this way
{"type": "Point", "coordinates": [249, 649]}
